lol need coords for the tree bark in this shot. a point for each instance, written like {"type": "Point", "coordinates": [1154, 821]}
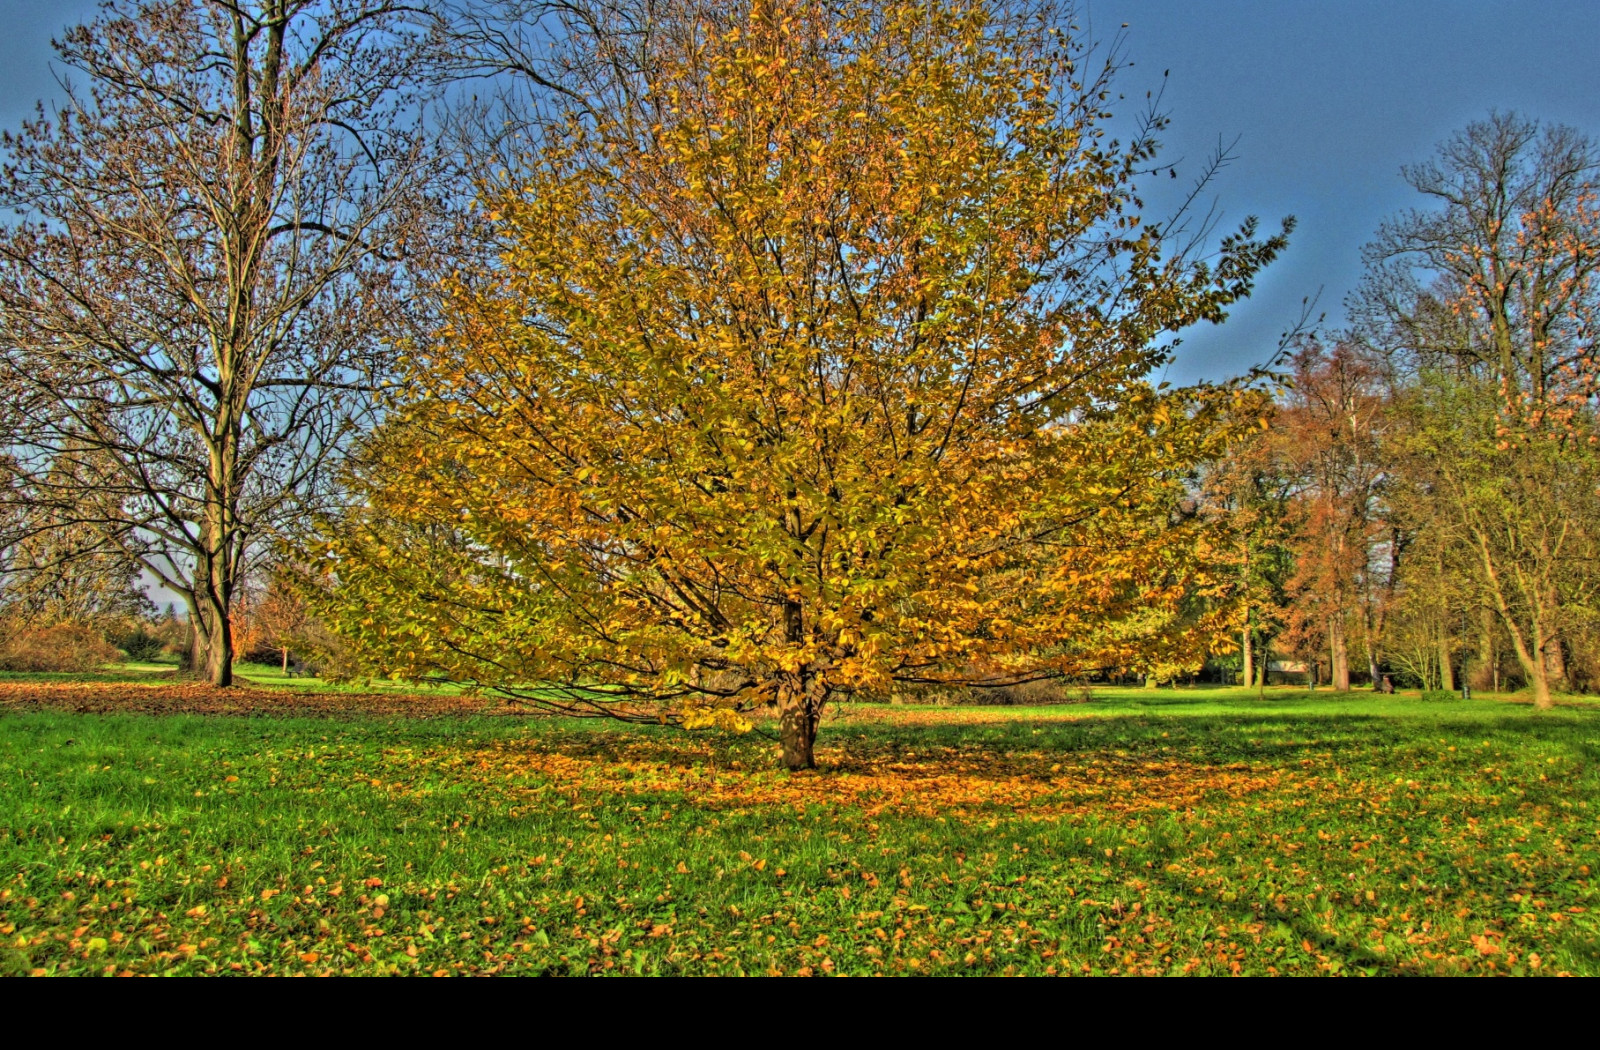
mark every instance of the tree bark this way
{"type": "Point", "coordinates": [1372, 662]}
{"type": "Point", "coordinates": [213, 643]}
{"type": "Point", "coordinates": [1548, 662]}
{"type": "Point", "coordinates": [1555, 659]}
{"type": "Point", "coordinates": [1483, 672]}
{"type": "Point", "coordinates": [1530, 658]}
{"type": "Point", "coordinates": [1338, 655]}
{"type": "Point", "coordinates": [801, 698]}
{"type": "Point", "coordinates": [215, 580]}
{"type": "Point", "coordinates": [1249, 655]}
{"type": "Point", "coordinates": [1531, 661]}
{"type": "Point", "coordinates": [219, 660]}
{"type": "Point", "coordinates": [1541, 687]}
{"type": "Point", "coordinates": [194, 654]}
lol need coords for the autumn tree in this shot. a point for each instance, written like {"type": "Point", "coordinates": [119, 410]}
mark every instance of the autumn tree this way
{"type": "Point", "coordinates": [1523, 513]}
{"type": "Point", "coordinates": [204, 261]}
{"type": "Point", "coordinates": [1435, 594]}
{"type": "Point", "coordinates": [1249, 491]}
{"type": "Point", "coordinates": [815, 361]}
{"type": "Point", "coordinates": [1329, 435]}
{"type": "Point", "coordinates": [280, 616]}
{"type": "Point", "coordinates": [1487, 303]}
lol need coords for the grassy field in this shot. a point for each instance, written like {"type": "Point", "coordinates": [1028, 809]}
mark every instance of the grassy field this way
{"type": "Point", "coordinates": [269, 676]}
{"type": "Point", "coordinates": [266, 676]}
{"type": "Point", "coordinates": [1147, 832]}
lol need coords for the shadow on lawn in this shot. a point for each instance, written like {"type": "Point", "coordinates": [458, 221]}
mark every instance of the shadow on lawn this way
{"type": "Point", "coordinates": [1228, 736]}
{"type": "Point", "coordinates": [1284, 729]}
{"type": "Point", "coordinates": [1127, 746]}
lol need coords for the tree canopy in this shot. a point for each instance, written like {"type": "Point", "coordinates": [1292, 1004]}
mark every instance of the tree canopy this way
{"type": "Point", "coordinates": [815, 361]}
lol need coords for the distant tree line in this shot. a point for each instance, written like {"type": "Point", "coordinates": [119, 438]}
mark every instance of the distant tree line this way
{"type": "Point", "coordinates": [1424, 503]}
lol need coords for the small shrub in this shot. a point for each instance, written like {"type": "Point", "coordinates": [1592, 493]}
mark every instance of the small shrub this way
{"type": "Point", "coordinates": [316, 650]}
{"type": "Point", "coordinates": [1030, 694]}
{"type": "Point", "coordinates": [66, 648]}
{"type": "Point", "coordinates": [1027, 694]}
{"type": "Point", "coordinates": [1440, 695]}
{"type": "Point", "coordinates": [141, 646]}
{"type": "Point", "coordinates": [941, 695]}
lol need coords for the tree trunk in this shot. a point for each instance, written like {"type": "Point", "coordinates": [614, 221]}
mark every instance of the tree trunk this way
{"type": "Point", "coordinates": [214, 633]}
{"type": "Point", "coordinates": [1531, 662]}
{"type": "Point", "coordinates": [1547, 660]}
{"type": "Point", "coordinates": [1338, 655]}
{"type": "Point", "coordinates": [1369, 638]}
{"type": "Point", "coordinates": [194, 655]}
{"type": "Point", "coordinates": [800, 702]}
{"type": "Point", "coordinates": [206, 639]}
{"type": "Point", "coordinates": [1447, 674]}
{"type": "Point", "coordinates": [1555, 661]}
{"type": "Point", "coordinates": [1530, 658]}
{"type": "Point", "coordinates": [797, 736]}
{"type": "Point", "coordinates": [216, 562]}
{"type": "Point", "coordinates": [1541, 687]}
{"type": "Point", "coordinates": [1483, 671]}
{"type": "Point", "coordinates": [219, 666]}
{"type": "Point", "coordinates": [1249, 656]}
{"type": "Point", "coordinates": [216, 657]}
{"type": "Point", "coordinates": [799, 710]}
{"type": "Point", "coordinates": [286, 660]}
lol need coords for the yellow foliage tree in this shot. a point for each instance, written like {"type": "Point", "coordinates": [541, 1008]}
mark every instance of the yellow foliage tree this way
{"type": "Point", "coordinates": [815, 362]}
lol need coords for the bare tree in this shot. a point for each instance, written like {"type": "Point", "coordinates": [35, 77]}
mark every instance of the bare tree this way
{"type": "Point", "coordinates": [208, 251]}
{"type": "Point", "coordinates": [1496, 278]}
{"type": "Point", "coordinates": [54, 573]}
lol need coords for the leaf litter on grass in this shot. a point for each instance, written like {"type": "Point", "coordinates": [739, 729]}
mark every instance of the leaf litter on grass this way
{"type": "Point", "coordinates": [163, 696]}
{"type": "Point", "coordinates": [924, 844]}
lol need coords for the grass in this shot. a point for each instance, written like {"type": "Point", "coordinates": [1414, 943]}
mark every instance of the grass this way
{"type": "Point", "coordinates": [1152, 831]}
{"type": "Point", "coordinates": [134, 672]}
{"type": "Point", "coordinates": [272, 676]}
{"type": "Point", "coordinates": [265, 676]}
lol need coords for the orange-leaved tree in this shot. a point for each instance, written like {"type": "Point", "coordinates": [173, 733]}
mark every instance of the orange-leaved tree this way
{"type": "Point", "coordinates": [1329, 438]}
{"type": "Point", "coordinates": [815, 362]}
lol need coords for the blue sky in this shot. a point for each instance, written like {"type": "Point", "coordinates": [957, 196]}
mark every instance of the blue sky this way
{"type": "Point", "coordinates": [1327, 101]}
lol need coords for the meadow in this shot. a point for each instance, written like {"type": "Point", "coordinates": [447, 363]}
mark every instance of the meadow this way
{"type": "Point", "coordinates": [148, 828]}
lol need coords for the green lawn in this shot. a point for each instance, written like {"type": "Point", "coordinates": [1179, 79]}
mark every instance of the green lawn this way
{"type": "Point", "coordinates": [125, 672]}
{"type": "Point", "coordinates": [1151, 831]}
{"type": "Point", "coordinates": [271, 676]}
{"type": "Point", "coordinates": [265, 676]}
